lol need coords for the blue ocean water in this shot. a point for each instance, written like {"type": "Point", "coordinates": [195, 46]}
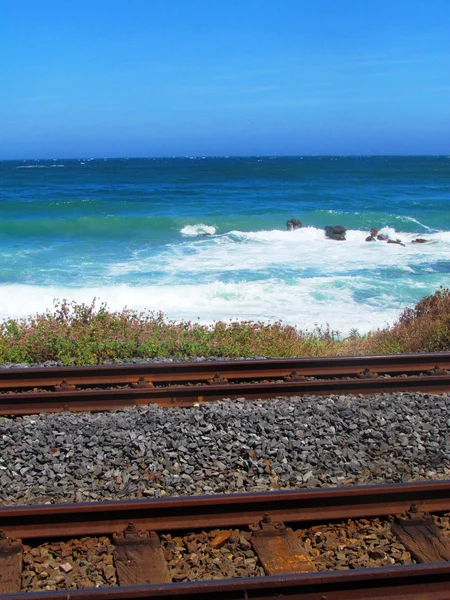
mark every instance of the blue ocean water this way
{"type": "Point", "coordinates": [206, 237]}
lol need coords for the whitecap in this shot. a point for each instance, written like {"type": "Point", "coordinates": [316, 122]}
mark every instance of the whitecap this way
{"type": "Point", "coordinates": [40, 167]}
{"type": "Point", "coordinates": [413, 220]}
{"type": "Point", "coordinates": [304, 304]}
{"type": "Point", "coordinates": [296, 252]}
{"type": "Point", "coordinates": [198, 229]}
{"type": "Point", "coordinates": [299, 276]}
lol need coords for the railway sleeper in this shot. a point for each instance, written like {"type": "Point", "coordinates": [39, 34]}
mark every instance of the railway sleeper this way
{"type": "Point", "coordinates": [139, 557]}
{"type": "Point", "coordinates": [278, 548]}
{"type": "Point", "coordinates": [418, 533]}
{"type": "Point", "coordinates": [10, 564]}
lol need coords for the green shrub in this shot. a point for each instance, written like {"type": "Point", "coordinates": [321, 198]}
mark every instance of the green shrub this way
{"type": "Point", "coordinates": [423, 328]}
{"type": "Point", "coordinates": [81, 334]}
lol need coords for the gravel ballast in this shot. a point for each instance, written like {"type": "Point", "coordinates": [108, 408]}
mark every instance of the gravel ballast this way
{"type": "Point", "coordinates": [216, 554]}
{"type": "Point", "coordinates": [224, 447]}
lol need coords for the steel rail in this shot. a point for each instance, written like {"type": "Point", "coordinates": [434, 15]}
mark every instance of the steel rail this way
{"type": "Point", "coordinates": [186, 396]}
{"type": "Point", "coordinates": [225, 510]}
{"type": "Point", "coordinates": [411, 582]}
{"type": "Point", "coordinates": [232, 369]}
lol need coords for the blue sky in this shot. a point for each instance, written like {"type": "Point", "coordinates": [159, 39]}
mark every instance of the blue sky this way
{"type": "Point", "coordinates": [89, 78]}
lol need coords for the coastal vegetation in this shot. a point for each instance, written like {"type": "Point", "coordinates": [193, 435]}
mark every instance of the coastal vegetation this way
{"type": "Point", "coordinates": [82, 334]}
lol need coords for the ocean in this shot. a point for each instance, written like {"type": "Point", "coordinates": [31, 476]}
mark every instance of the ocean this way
{"type": "Point", "coordinates": [205, 238]}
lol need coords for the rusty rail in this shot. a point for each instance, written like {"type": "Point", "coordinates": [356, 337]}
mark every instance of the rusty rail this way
{"type": "Point", "coordinates": [418, 582]}
{"type": "Point", "coordinates": [429, 581]}
{"type": "Point", "coordinates": [185, 384]}
{"type": "Point", "coordinates": [224, 510]}
{"type": "Point", "coordinates": [188, 395]}
{"type": "Point", "coordinates": [231, 369]}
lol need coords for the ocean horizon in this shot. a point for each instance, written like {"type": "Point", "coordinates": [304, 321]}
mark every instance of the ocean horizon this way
{"type": "Point", "coordinates": [205, 238]}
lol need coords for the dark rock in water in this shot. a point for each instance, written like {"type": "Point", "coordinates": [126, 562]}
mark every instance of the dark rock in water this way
{"type": "Point", "coordinates": [399, 242]}
{"type": "Point", "coordinates": [293, 224]}
{"type": "Point", "coordinates": [419, 241]}
{"type": "Point", "coordinates": [335, 232]}
{"type": "Point", "coordinates": [372, 237]}
{"type": "Point", "coordinates": [382, 237]}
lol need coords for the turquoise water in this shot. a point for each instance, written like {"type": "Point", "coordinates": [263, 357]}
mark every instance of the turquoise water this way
{"type": "Point", "coordinates": [131, 232]}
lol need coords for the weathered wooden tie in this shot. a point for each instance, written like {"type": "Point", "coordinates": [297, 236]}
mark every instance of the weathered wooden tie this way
{"type": "Point", "coordinates": [10, 564]}
{"type": "Point", "coordinates": [421, 537]}
{"type": "Point", "coordinates": [139, 558]}
{"type": "Point", "coordinates": [278, 548]}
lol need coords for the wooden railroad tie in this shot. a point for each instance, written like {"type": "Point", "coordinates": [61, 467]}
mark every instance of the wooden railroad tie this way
{"type": "Point", "coordinates": [421, 537]}
{"type": "Point", "coordinates": [139, 558]}
{"type": "Point", "coordinates": [10, 564]}
{"type": "Point", "coordinates": [278, 548]}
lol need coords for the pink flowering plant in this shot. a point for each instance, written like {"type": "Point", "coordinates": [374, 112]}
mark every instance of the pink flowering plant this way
{"type": "Point", "coordinates": [84, 334]}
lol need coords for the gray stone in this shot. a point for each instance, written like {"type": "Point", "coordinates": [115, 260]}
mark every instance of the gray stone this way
{"type": "Point", "coordinates": [226, 446]}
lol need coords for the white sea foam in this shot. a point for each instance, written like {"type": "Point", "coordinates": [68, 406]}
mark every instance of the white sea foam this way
{"type": "Point", "coordinates": [40, 167]}
{"type": "Point", "coordinates": [302, 249]}
{"type": "Point", "coordinates": [296, 254]}
{"type": "Point", "coordinates": [298, 276]}
{"type": "Point", "coordinates": [412, 220]}
{"type": "Point", "coordinates": [443, 236]}
{"type": "Point", "coordinates": [305, 304]}
{"type": "Point", "coordinates": [198, 229]}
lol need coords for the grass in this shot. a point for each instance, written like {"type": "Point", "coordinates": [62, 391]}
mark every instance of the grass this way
{"type": "Point", "coordinates": [80, 334]}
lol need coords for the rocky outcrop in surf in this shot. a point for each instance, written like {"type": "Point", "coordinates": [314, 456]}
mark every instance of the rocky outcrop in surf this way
{"type": "Point", "coordinates": [335, 232]}
{"type": "Point", "coordinates": [382, 237]}
{"type": "Point", "coordinates": [293, 224]}
{"type": "Point", "coordinates": [372, 236]}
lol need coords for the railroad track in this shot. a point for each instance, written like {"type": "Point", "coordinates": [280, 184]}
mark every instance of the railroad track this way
{"type": "Point", "coordinates": [278, 529]}
{"type": "Point", "coordinates": [33, 390]}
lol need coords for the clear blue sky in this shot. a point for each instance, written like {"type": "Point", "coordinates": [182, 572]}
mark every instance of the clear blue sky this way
{"type": "Point", "coordinates": [88, 78]}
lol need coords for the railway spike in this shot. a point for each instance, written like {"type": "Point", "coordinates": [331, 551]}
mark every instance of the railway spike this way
{"type": "Point", "coordinates": [367, 374]}
{"type": "Point", "coordinates": [142, 383]}
{"type": "Point", "coordinates": [217, 380]}
{"type": "Point", "coordinates": [414, 516]}
{"type": "Point", "coordinates": [267, 527]}
{"type": "Point", "coordinates": [131, 534]}
{"type": "Point", "coordinates": [294, 376]}
{"type": "Point", "coordinates": [131, 530]}
{"type": "Point", "coordinates": [438, 370]}
{"type": "Point", "coordinates": [64, 386]}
